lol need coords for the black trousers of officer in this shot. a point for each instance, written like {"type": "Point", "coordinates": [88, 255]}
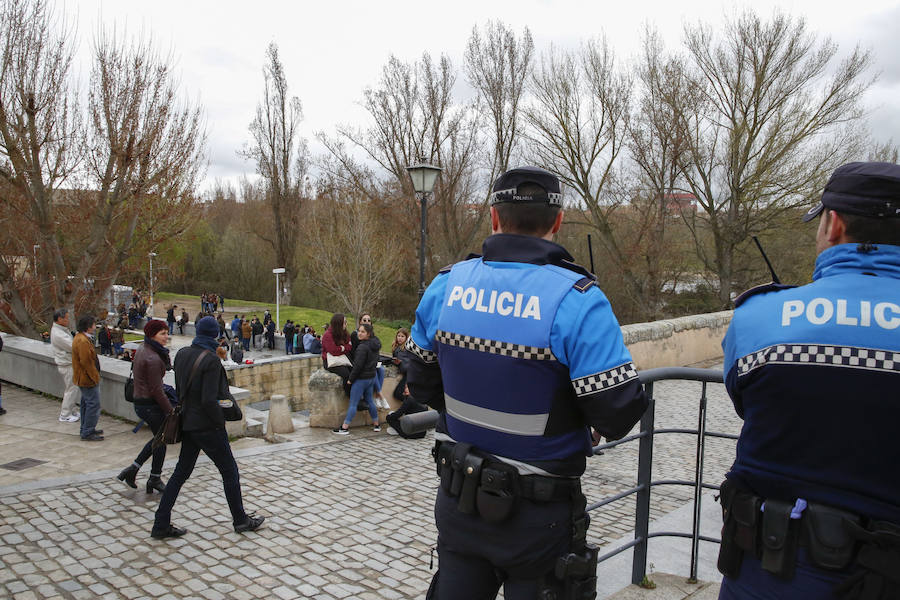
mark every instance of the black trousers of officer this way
{"type": "Point", "coordinates": [476, 557]}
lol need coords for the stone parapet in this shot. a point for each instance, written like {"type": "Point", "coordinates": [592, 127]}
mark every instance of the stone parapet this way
{"type": "Point", "coordinates": [29, 363]}
{"type": "Point", "coordinates": [677, 342]}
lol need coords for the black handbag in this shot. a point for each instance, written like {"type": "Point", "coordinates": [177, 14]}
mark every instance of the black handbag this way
{"type": "Point", "coordinates": [129, 386]}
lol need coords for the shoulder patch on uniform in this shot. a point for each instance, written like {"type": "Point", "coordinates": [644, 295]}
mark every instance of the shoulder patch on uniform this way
{"type": "Point", "coordinates": [761, 289]}
{"type": "Point", "coordinates": [584, 284]}
{"type": "Point", "coordinates": [450, 266]}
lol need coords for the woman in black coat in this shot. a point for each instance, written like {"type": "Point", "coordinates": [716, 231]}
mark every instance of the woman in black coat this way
{"type": "Point", "coordinates": [362, 377]}
{"type": "Point", "coordinates": [201, 382]}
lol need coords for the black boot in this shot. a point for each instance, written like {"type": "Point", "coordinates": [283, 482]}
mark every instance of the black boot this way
{"type": "Point", "coordinates": [128, 475]}
{"type": "Point", "coordinates": [155, 483]}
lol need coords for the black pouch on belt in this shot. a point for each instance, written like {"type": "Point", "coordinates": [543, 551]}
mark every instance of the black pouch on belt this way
{"type": "Point", "coordinates": [828, 540]}
{"type": "Point", "coordinates": [496, 498]}
{"type": "Point", "coordinates": [443, 459]}
{"type": "Point", "coordinates": [457, 461]}
{"type": "Point", "coordinates": [471, 475]}
{"type": "Point", "coordinates": [780, 534]}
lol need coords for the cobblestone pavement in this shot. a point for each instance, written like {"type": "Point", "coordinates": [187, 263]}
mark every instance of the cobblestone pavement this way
{"type": "Point", "coordinates": [346, 517]}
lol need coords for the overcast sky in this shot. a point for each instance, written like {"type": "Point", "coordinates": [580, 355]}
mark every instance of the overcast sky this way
{"type": "Point", "coordinates": [332, 50]}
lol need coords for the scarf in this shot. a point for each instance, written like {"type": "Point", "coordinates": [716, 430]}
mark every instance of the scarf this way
{"type": "Point", "coordinates": [161, 350]}
{"type": "Point", "coordinates": [206, 342]}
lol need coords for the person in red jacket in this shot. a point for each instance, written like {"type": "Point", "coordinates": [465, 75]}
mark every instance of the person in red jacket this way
{"type": "Point", "coordinates": [336, 342]}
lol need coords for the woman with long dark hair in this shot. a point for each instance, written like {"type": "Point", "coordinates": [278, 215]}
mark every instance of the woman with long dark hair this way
{"type": "Point", "coordinates": [151, 404]}
{"type": "Point", "coordinates": [336, 342]}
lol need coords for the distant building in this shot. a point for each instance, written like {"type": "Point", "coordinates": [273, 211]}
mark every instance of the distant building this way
{"type": "Point", "coordinates": [678, 203]}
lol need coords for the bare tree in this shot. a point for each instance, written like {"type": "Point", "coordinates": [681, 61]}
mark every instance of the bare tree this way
{"type": "Point", "coordinates": [498, 65]}
{"type": "Point", "coordinates": [413, 116]}
{"type": "Point", "coordinates": [282, 158]}
{"type": "Point", "coordinates": [354, 264]}
{"type": "Point", "coordinates": [578, 121]}
{"type": "Point", "coordinates": [769, 116]}
{"type": "Point", "coordinates": [131, 167]}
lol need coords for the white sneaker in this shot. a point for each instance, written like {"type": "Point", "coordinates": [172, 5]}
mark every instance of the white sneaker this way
{"type": "Point", "coordinates": [69, 419]}
{"type": "Point", "coordinates": [392, 431]}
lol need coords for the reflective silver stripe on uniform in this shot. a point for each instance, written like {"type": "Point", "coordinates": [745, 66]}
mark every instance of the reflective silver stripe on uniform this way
{"type": "Point", "coordinates": [824, 355]}
{"type": "Point", "coordinates": [494, 347]}
{"type": "Point", "coordinates": [427, 356]}
{"type": "Point", "coordinates": [604, 380]}
{"type": "Point", "coordinates": [532, 425]}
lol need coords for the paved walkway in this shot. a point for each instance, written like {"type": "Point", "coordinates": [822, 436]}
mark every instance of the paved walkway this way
{"type": "Point", "coordinates": [347, 517]}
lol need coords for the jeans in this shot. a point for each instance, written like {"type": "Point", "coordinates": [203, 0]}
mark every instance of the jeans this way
{"type": "Point", "coordinates": [90, 409]}
{"type": "Point", "coordinates": [153, 416]}
{"type": "Point", "coordinates": [379, 378]}
{"type": "Point", "coordinates": [246, 343]}
{"type": "Point", "coordinates": [215, 444]}
{"type": "Point", "coordinates": [171, 327]}
{"type": "Point", "coordinates": [361, 388]}
{"type": "Point", "coordinates": [288, 346]}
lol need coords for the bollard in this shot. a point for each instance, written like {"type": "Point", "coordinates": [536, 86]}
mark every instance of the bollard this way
{"type": "Point", "coordinates": [279, 416]}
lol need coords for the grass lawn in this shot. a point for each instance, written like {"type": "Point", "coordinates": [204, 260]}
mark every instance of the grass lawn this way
{"type": "Point", "coordinates": [299, 314]}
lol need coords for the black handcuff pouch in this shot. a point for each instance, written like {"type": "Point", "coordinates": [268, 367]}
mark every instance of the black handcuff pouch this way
{"type": "Point", "coordinates": [496, 498]}
{"type": "Point", "coordinates": [828, 540]}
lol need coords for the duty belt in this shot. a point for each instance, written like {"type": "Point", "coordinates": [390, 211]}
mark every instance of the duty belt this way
{"type": "Point", "coordinates": [490, 487]}
{"type": "Point", "coordinates": [770, 531]}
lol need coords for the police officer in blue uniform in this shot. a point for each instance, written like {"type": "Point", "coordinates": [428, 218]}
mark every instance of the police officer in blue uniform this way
{"type": "Point", "coordinates": [812, 503]}
{"type": "Point", "coordinates": [520, 353]}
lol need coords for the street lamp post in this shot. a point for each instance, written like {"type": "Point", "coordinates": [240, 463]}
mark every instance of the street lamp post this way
{"type": "Point", "coordinates": [151, 255]}
{"type": "Point", "coordinates": [423, 177]}
{"type": "Point", "coordinates": [277, 272]}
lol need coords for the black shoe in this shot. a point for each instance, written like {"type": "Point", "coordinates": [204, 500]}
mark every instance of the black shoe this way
{"type": "Point", "coordinates": [155, 483]}
{"type": "Point", "coordinates": [94, 437]}
{"type": "Point", "coordinates": [251, 524]}
{"type": "Point", "coordinates": [2, 411]}
{"type": "Point", "coordinates": [98, 431]}
{"type": "Point", "coordinates": [170, 531]}
{"type": "Point", "coordinates": [128, 475]}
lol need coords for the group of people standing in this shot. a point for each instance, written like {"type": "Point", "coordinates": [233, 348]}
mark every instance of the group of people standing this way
{"type": "Point", "coordinates": [211, 303]}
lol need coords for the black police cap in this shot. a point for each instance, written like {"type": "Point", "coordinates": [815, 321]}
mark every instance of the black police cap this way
{"type": "Point", "coordinates": [506, 187]}
{"type": "Point", "coordinates": [868, 189]}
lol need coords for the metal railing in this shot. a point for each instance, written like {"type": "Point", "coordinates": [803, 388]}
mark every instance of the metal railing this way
{"type": "Point", "coordinates": [645, 463]}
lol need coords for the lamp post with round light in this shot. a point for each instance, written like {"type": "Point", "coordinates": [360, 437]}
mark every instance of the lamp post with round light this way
{"type": "Point", "coordinates": [423, 176]}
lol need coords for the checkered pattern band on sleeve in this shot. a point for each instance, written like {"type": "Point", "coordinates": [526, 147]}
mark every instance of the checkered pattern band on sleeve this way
{"type": "Point", "coordinates": [494, 347]}
{"type": "Point", "coordinates": [427, 356]}
{"type": "Point", "coordinates": [598, 382]}
{"type": "Point", "coordinates": [821, 354]}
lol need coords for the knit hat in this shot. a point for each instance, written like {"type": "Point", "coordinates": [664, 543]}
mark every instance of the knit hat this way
{"type": "Point", "coordinates": [207, 326]}
{"type": "Point", "coordinates": [153, 327]}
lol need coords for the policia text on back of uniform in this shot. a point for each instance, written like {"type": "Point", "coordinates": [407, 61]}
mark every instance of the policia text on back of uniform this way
{"type": "Point", "coordinates": [812, 503]}
{"type": "Point", "coordinates": [520, 353]}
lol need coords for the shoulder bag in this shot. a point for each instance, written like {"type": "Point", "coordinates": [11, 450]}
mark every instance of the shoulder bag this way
{"type": "Point", "coordinates": [337, 361]}
{"type": "Point", "coordinates": [170, 432]}
{"type": "Point", "coordinates": [129, 385]}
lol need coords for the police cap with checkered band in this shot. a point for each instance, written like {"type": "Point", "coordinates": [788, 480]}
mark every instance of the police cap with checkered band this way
{"type": "Point", "coordinates": [506, 187]}
{"type": "Point", "coordinates": [867, 189]}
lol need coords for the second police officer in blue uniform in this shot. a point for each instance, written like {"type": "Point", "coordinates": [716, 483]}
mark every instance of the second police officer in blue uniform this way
{"type": "Point", "coordinates": [812, 503]}
{"type": "Point", "coordinates": [521, 354]}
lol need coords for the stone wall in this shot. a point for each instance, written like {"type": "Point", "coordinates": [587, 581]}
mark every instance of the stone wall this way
{"type": "Point", "coordinates": [29, 363]}
{"type": "Point", "coordinates": [677, 342]}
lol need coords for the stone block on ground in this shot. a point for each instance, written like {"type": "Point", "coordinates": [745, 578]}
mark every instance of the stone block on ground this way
{"type": "Point", "coordinates": [279, 415]}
